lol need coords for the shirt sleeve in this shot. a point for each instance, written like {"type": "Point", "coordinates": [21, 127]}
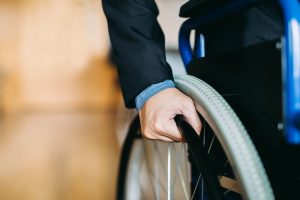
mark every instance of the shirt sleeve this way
{"type": "Point", "coordinates": [138, 45]}
{"type": "Point", "coordinates": [150, 91]}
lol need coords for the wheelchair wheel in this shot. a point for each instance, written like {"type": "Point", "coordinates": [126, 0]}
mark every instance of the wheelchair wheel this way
{"type": "Point", "coordinates": [220, 164]}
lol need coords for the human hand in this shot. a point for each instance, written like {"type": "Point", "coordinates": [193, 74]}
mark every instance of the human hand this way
{"type": "Point", "coordinates": [157, 115]}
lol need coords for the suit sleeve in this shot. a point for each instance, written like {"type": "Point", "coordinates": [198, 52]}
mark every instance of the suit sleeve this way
{"type": "Point", "coordinates": [138, 45]}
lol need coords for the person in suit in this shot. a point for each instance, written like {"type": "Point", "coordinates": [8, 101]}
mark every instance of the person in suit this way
{"type": "Point", "coordinates": [145, 76]}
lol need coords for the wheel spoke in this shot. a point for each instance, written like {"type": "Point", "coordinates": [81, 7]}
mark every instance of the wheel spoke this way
{"type": "Point", "coordinates": [202, 189]}
{"type": "Point", "coordinates": [143, 196]}
{"type": "Point", "coordinates": [169, 172]}
{"type": "Point", "coordinates": [211, 143]}
{"type": "Point", "coordinates": [160, 157]}
{"type": "Point", "coordinates": [197, 183]}
{"type": "Point", "coordinates": [229, 184]}
{"type": "Point", "coordinates": [226, 192]}
{"type": "Point", "coordinates": [204, 132]}
{"type": "Point", "coordinates": [176, 158]}
{"type": "Point", "coordinates": [226, 163]}
{"type": "Point", "coordinates": [151, 173]}
{"type": "Point", "coordinates": [157, 191]}
{"type": "Point", "coordinates": [163, 167]}
{"type": "Point", "coordinates": [183, 183]}
{"type": "Point", "coordinates": [187, 175]}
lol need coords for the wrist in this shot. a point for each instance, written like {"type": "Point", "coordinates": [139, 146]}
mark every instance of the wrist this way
{"type": "Point", "coordinates": [150, 91]}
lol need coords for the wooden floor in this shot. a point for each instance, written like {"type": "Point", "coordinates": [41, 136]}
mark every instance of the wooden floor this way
{"type": "Point", "coordinates": [58, 156]}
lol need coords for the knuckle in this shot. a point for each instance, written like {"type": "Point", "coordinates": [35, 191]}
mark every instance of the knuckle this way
{"type": "Point", "coordinates": [188, 109]}
{"type": "Point", "coordinates": [199, 125]}
{"type": "Point", "coordinates": [147, 134]}
{"type": "Point", "coordinates": [190, 102]}
{"type": "Point", "coordinates": [157, 126]}
{"type": "Point", "coordinates": [150, 137]}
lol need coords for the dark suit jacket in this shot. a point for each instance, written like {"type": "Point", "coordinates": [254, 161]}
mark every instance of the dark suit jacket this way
{"type": "Point", "coordinates": [137, 44]}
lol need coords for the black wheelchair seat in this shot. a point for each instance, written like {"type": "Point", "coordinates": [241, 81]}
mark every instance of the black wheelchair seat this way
{"type": "Point", "coordinates": [194, 8]}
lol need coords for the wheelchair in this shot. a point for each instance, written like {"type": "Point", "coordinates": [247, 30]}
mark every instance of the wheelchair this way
{"type": "Point", "coordinates": [244, 77]}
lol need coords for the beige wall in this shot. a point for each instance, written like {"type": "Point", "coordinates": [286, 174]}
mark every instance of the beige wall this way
{"type": "Point", "coordinates": [53, 56]}
{"type": "Point", "coordinates": [9, 42]}
{"type": "Point", "coordinates": [170, 21]}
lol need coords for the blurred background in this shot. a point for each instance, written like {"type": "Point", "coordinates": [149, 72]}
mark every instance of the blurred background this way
{"type": "Point", "coordinates": [62, 118]}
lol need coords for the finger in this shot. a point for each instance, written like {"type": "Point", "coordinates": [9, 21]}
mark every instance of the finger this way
{"type": "Point", "coordinates": [155, 135]}
{"type": "Point", "coordinates": [191, 116]}
{"type": "Point", "coordinates": [167, 127]}
{"type": "Point", "coordinates": [165, 139]}
{"type": "Point", "coordinates": [164, 125]}
{"type": "Point", "coordinates": [172, 134]}
{"type": "Point", "coordinates": [172, 130]}
{"type": "Point", "coordinates": [159, 136]}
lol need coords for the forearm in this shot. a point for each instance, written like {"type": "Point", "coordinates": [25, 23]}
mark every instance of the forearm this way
{"type": "Point", "coordinates": [137, 44]}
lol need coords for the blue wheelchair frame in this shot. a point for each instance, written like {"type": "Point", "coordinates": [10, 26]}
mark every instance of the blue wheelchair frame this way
{"type": "Point", "coordinates": [290, 56]}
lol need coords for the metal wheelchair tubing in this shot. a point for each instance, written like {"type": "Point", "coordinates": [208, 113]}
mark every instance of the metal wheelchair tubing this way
{"type": "Point", "coordinates": [196, 23]}
{"type": "Point", "coordinates": [291, 70]}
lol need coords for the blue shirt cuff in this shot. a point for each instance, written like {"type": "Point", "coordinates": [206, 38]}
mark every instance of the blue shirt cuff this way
{"type": "Point", "coordinates": [150, 91]}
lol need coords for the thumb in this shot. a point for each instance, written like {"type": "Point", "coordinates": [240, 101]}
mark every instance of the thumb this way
{"type": "Point", "coordinates": [172, 130]}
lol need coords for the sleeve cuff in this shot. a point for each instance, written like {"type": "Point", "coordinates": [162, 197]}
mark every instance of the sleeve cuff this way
{"type": "Point", "coordinates": [150, 91]}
